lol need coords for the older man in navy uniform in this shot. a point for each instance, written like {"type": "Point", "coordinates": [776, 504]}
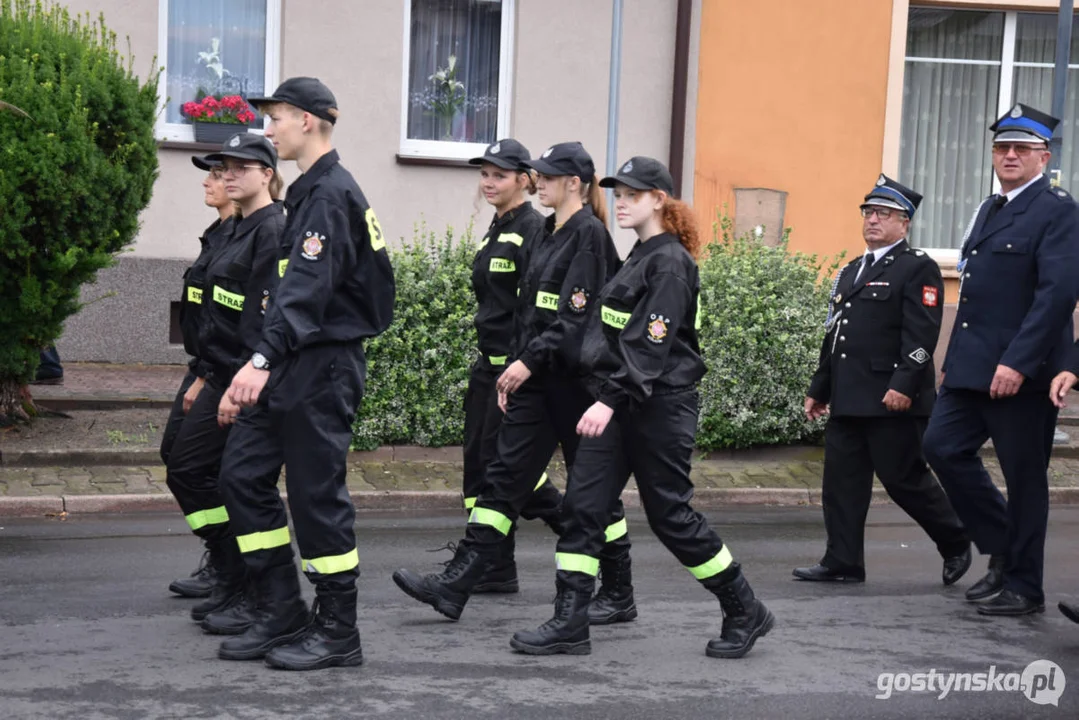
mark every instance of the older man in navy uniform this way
{"type": "Point", "coordinates": [1019, 279]}
{"type": "Point", "coordinates": [876, 380]}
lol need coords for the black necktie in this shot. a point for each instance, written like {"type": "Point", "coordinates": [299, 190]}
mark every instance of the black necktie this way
{"type": "Point", "coordinates": [867, 262]}
{"type": "Point", "coordinates": [998, 203]}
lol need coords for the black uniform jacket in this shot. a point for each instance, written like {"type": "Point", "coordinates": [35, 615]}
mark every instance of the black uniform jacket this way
{"type": "Point", "coordinates": [194, 288]}
{"type": "Point", "coordinates": [1018, 287]}
{"type": "Point", "coordinates": [336, 283]}
{"type": "Point", "coordinates": [497, 269]}
{"type": "Point", "coordinates": [643, 339]}
{"type": "Point", "coordinates": [240, 279]}
{"type": "Point", "coordinates": [567, 269]}
{"type": "Point", "coordinates": [882, 334]}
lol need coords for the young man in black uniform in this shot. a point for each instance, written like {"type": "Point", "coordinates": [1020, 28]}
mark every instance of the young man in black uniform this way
{"type": "Point", "coordinates": [301, 389]}
{"type": "Point", "coordinates": [1019, 278]}
{"type": "Point", "coordinates": [876, 382]}
{"type": "Point", "coordinates": [1058, 391]}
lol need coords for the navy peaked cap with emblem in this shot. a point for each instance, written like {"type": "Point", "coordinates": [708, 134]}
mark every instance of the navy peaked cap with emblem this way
{"type": "Point", "coordinates": [1024, 124]}
{"type": "Point", "coordinates": [642, 173]}
{"type": "Point", "coordinates": [246, 146]}
{"type": "Point", "coordinates": [889, 193]}
{"type": "Point", "coordinates": [568, 158]}
{"type": "Point", "coordinates": [507, 154]}
{"type": "Point", "coordinates": [306, 93]}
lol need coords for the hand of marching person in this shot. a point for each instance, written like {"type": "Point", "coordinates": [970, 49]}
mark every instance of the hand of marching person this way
{"type": "Point", "coordinates": [192, 393]}
{"type": "Point", "coordinates": [1062, 383]}
{"type": "Point", "coordinates": [503, 401]}
{"type": "Point", "coordinates": [513, 377]}
{"type": "Point", "coordinates": [247, 385]}
{"type": "Point", "coordinates": [595, 420]}
{"type": "Point", "coordinates": [815, 409]}
{"type": "Point", "coordinates": [1006, 382]}
{"type": "Point", "coordinates": [896, 401]}
{"type": "Point", "coordinates": [227, 411]}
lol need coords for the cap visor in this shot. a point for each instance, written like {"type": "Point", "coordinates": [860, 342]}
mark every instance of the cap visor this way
{"type": "Point", "coordinates": [1018, 136]}
{"type": "Point", "coordinates": [884, 202]}
{"type": "Point", "coordinates": [256, 101]}
{"type": "Point", "coordinates": [544, 168]}
{"type": "Point", "coordinates": [611, 181]}
{"type": "Point", "coordinates": [204, 162]}
{"type": "Point", "coordinates": [238, 154]}
{"type": "Point", "coordinates": [499, 162]}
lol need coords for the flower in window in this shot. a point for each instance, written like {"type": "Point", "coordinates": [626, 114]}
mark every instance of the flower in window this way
{"type": "Point", "coordinates": [229, 109]}
{"type": "Point", "coordinates": [449, 94]}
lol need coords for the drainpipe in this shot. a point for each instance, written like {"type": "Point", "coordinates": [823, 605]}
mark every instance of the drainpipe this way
{"type": "Point", "coordinates": [1060, 83]}
{"type": "Point", "coordinates": [612, 100]}
{"type": "Point", "coordinates": [678, 100]}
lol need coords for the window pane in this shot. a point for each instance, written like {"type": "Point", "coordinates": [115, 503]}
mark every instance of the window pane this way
{"type": "Point", "coordinates": [453, 70]}
{"type": "Point", "coordinates": [944, 148]}
{"type": "Point", "coordinates": [955, 34]}
{"type": "Point", "coordinates": [1036, 38]}
{"type": "Point", "coordinates": [1034, 87]}
{"type": "Point", "coordinates": [216, 47]}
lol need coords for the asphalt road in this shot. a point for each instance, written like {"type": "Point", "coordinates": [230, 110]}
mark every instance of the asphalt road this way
{"type": "Point", "coordinates": [88, 630]}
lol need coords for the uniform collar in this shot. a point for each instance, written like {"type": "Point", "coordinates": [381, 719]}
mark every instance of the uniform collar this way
{"type": "Point", "coordinates": [509, 216]}
{"type": "Point", "coordinates": [575, 220]}
{"type": "Point", "coordinates": [300, 189]}
{"type": "Point", "coordinates": [252, 220]}
{"type": "Point", "coordinates": [1013, 194]}
{"type": "Point", "coordinates": [642, 248]}
{"type": "Point", "coordinates": [881, 252]}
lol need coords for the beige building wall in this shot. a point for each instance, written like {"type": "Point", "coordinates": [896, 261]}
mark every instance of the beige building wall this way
{"type": "Point", "coordinates": [560, 90]}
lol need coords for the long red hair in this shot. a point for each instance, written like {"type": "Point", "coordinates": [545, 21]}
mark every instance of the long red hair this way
{"type": "Point", "coordinates": [678, 219]}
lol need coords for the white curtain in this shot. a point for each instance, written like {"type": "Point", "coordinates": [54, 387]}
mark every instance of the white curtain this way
{"type": "Point", "coordinates": [947, 109]}
{"type": "Point", "coordinates": [237, 66]}
{"type": "Point", "coordinates": [471, 32]}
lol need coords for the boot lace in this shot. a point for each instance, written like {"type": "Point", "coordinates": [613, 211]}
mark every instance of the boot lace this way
{"type": "Point", "coordinates": [451, 546]}
{"type": "Point", "coordinates": [563, 609]}
{"type": "Point", "coordinates": [204, 567]}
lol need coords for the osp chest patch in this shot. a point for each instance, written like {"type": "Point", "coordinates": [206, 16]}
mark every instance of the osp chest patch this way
{"type": "Point", "coordinates": [578, 300]}
{"type": "Point", "coordinates": [657, 328]}
{"type": "Point", "coordinates": [313, 244]}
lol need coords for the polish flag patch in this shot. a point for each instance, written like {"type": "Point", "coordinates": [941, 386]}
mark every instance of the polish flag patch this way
{"type": "Point", "coordinates": [930, 296]}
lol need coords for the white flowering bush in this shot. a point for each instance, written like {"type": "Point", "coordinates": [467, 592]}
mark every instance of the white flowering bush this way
{"type": "Point", "coordinates": [762, 324]}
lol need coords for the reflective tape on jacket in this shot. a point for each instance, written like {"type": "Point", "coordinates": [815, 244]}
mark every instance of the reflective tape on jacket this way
{"type": "Point", "coordinates": [715, 566]}
{"type": "Point", "coordinates": [511, 238]}
{"type": "Point", "coordinates": [697, 320]}
{"type": "Point", "coordinates": [491, 518]}
{"type": "Point", "coordinates": [230, 300]}
{"type": "Point", "coordinates": [281, 265]}
{"type": "Point", "coordinates": [263, 540]}
{"type": "Point", "coordinates": [470, 502]}
{"type": "Point", "coordinates": [497, 360]}
{"type": "Point", "coordinates": [211, 516]}
{"type": "Point", "coordinates": [572, 562]}
{"type": "Point", "coordinates": [547, 301]}
{"type": "Point", "coordinates": [543, 479]}
{"type": "Point", "coordinates": [501, 265]}
{"type": "Point", "coordinates": [614, 318]}
{"type": "Point", "coordinates": [330, 564]}
{"type": "Point", "coordinates": [194, 295]}
{"type": "Point", "coordinates": [616, 530]}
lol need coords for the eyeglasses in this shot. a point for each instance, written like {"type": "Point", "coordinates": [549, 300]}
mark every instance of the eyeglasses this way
{"type": "Point", "coordinates": [1021, 149]}
{"type": "Point", "coordinates": [881, 212]}
{"type": "Point", "coordinates": [216, 173]}
{"type": "Point", "coordinates": [238, 170]}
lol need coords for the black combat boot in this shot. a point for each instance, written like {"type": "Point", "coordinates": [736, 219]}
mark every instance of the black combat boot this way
{"type": "Point", "coordinates": [448, 591]}
{"type": "Point", "coordinates": [330, 640]}
{"type": "Point", "coordinates": [229, 581]}
{"type": "Point", "coordinates": [614, 602]}
{"type": "Point", "coordinates": [745, 618]}
{"type": "Point", "coordinates": [235, 618]}
{"type": "Point", "coordinates": [567, 632]}
{"type": "Point", "coordinates": [199, 584]}
{"type": "Point", "coordinates": [501, 575]}
{"type": "Point", "coordinates": [281, 615]}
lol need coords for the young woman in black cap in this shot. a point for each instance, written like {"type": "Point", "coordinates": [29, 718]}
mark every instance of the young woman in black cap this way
{"type": "Point", "coordinates": [239, 277]}
{"type": "Point", "coordinates": [539, 391]}
{"type": "Point", "coordinates": [497, 269]}
{"type": "Point", "coordinates": [214, 195]}
{"type": "Point", "coordinates": [642, 360]}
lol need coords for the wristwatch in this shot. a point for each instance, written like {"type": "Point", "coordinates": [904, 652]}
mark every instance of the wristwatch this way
{"type": "Point", "coordinates": [259, 361]}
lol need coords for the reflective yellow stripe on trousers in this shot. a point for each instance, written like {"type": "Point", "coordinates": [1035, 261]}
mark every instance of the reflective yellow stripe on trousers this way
{"type": "Point", "coordinates": [330, 564]}
{"type": "Point", "coordinates": [616, 530]}
{"type": "Point", "coordinates": [212, 516]}
{"type": "Point", "coordinates": [491, 518]}
{"type": "Point", "coordinates": [572, 562]}
{"type": "Point", "coordinates": [263, 540]}
{"type": "Point", "coordinates": [715, 566]}
{"type": "Point", "coordinates": [470, 502]}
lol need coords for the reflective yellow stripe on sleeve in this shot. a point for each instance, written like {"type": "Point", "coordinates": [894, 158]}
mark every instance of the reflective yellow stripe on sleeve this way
{"type": "Point", "coordinates": [511, 238]}
{"type": "Point", "coordinates": [374, 230]}
{"type": "Point", "coordinates": [331, 564]}
{"type": "Point", "coordinates": [497, 360]}
{"type": "Point", "coordinates": [212, 516]}
{"type": "Point", "coordinates": [230, 300]}
{"type": "Point", "coordinates": [263, 540]}
{"type": "Point", "coordinates": [571, 562]}
{"type": "Point", "coordinates": [715, 566]}
{"type": "Point", "coordinates": [194, 295]}
{"type": "Point", "coordinates": [543, 479]}
{"type": "Point", "coordinates": [470, 502]}
{"type": "Point", "coordinates": [281, 265]}
{"type": "Point", "coordinates": [697, 320]}
{"type": "Point", "coordinates": [616, 530]}
{"type": "Point", "coordinates": [501, 265]}
{"type": "Point", "coordinates": [614, 318]}
{"type": "Point", "coordinates": [491, 518]}
{"type": "Point", "coordinates": [547, 301]}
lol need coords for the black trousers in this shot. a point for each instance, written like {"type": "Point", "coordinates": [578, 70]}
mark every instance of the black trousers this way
{"type": "Point", "coordinates": [1021, 428]}
{"type": "Point", "coordinates": [194, 463]}
{"type": "Point", "coordinates": [655, 443]}
{"type": "Point", "coordinates": [303, 422]}
{"type": "Point", "coordinates": [483, 418]}
{"type": "Point", "coordinates": [176, 418]}
{"type": "Point", "coordinates": [857, 447]}
{"type": "Point", "coordinates": [540, 416]}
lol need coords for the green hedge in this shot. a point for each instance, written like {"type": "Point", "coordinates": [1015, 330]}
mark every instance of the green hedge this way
{"type": "Point", "coordinates": [761, 330]}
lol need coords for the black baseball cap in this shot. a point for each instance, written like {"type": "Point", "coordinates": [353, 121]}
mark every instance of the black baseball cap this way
{"type": "Point", "coordinates": [642, 173]}
{"type": "Point", "coordinates": [507, 154]}
{"type": "Point", "coordinates": [246, 146]}
{"type": "Point", "coordinates": [568, 158]}
{"type": "Point", "coordinates": [203, 162]}
{"type": "Point", "coordinates": [306, 93]}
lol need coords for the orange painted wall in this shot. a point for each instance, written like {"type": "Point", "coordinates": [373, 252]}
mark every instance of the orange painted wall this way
{"type": "Point", "coordinates": [792, 97]}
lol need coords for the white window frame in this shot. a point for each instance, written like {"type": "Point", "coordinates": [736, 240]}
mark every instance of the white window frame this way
{"type": "Point", "coordinates": [184, 132]}
{"type": "Point", "coordinates": [447, 150]}
{"type": "Point", "coordinates": [1007, 65]}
